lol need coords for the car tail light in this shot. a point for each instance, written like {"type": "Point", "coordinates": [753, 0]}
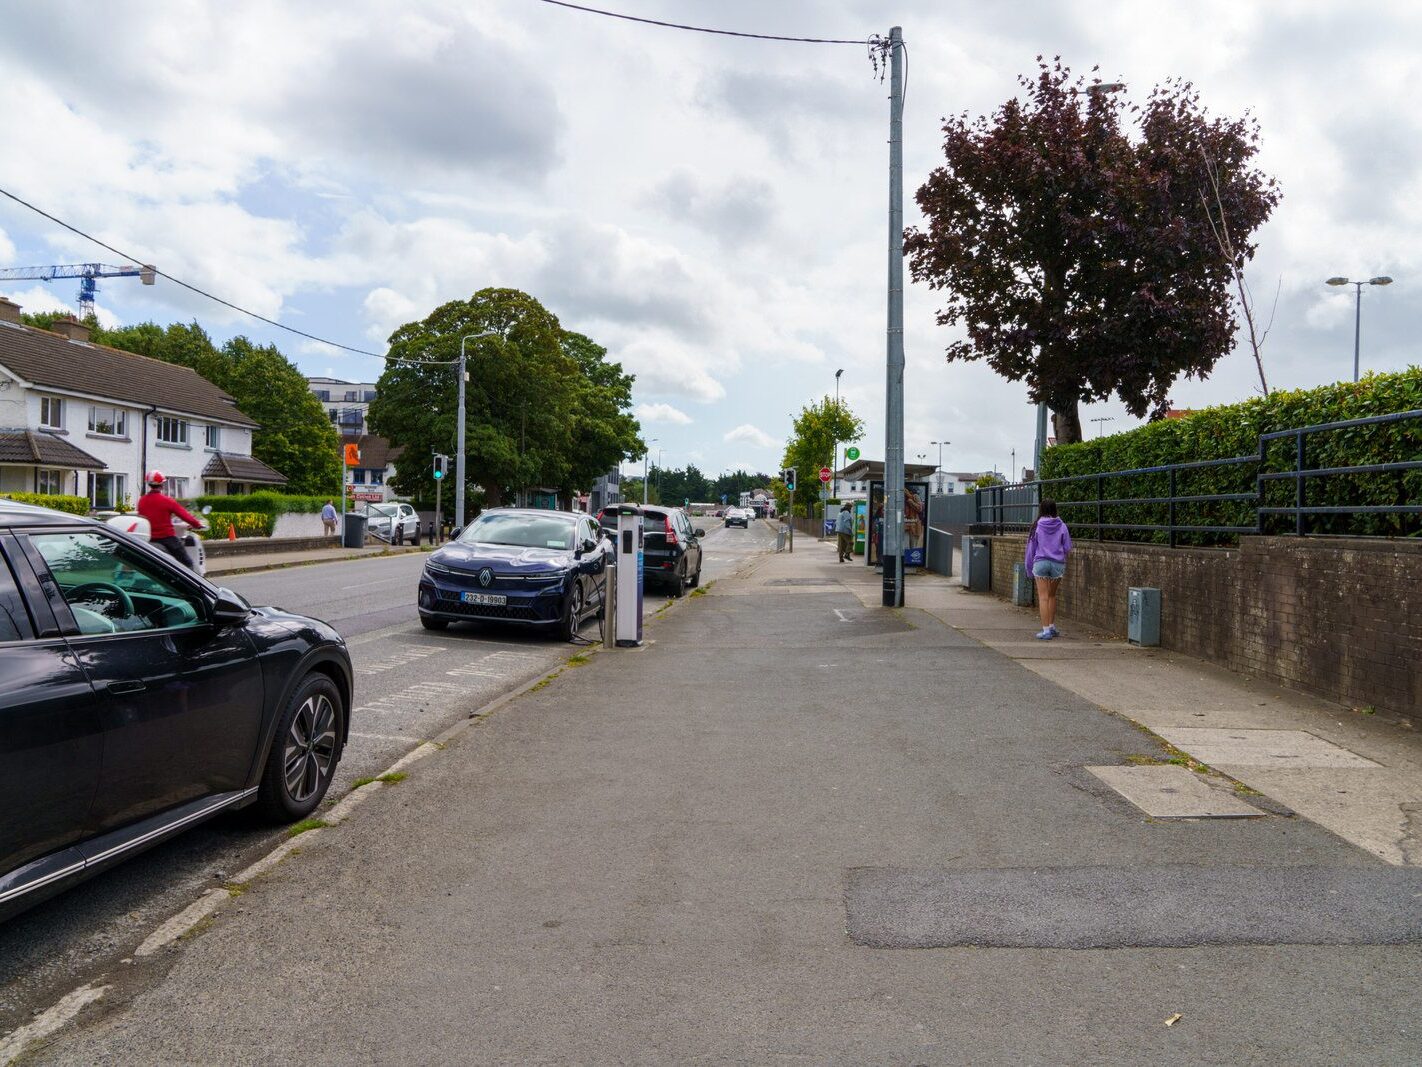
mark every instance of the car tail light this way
{"type": "Point", "coordinates": [671, 534]}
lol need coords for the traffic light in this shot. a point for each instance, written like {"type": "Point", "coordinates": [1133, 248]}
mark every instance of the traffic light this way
{"type": "Point", "coordinates": [788, 477]}
{"type": "Point", "coordinates": [441, 466]}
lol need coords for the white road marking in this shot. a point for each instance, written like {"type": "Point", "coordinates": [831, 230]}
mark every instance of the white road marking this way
{"type": "Point", "coordinates": [49, 1021]}
{"type": "Point", "coordinates": [402, 658]}
{"type": "Point", "coordinates": [182, 922]}
{"type": "Point", "coordinates": [839, 612]}
{"type": "Point", "coordinates": [383, 737]}
{"type": "Point", "coordinates": [378, 581]}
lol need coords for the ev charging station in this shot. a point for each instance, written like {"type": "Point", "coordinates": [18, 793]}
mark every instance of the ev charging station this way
{"type": "Point", "coordinates": [627, 605]}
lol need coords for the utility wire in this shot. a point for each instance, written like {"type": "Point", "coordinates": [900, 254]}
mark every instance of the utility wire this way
{"type": "Point", "coordinates": [703, 29]}
{"type": "Point", "coordinates": [185, 285]}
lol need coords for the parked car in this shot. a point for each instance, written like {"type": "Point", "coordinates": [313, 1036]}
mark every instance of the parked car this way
{"type": "Point", "coordinates": [529, 566]}
{"type": "Point", "coordinates": [737, 517]}
{"type": "Point", "coordinates": [137, 700]}
{"type": "Point", "coordinates": [671, 548]}
{"type": "Point", "coordinates": [382, 520]}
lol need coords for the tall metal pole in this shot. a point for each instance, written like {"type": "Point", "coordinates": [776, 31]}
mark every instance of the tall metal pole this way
{"type": "Point", "coordinates": [1041, 440]}
{"type": "Point", "coordinates": [1357, 328]}
{"type": "Point", "coordinates": [893, 542]}
{"type": "Point", "coordinates": [459, 430]}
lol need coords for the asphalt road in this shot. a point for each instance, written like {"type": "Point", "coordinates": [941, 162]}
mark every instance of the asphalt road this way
{"type": "Point", "coordinates": [410, 685]}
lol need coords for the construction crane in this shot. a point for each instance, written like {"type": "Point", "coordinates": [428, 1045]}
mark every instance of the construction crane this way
{"type": "Point", "coordinates": [87, 273]}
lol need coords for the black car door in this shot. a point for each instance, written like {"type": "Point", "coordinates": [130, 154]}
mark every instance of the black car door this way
{"type": "Point", "coordinates": [693, 547]}
{"type": "Point", "coordinates": [180, 699]}
{"type": "Point", "coordinates": [50, 737]}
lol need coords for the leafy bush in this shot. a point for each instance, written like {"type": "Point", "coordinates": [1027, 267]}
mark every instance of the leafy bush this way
{"type": "Point", "coordinates": [247, 524]}
{"type": "Point", "coordinates": [1234, 431]}
{"type": "Point", "coordinates": [74, 505]}
{"type": "Point", "coordinates": [267, 503]}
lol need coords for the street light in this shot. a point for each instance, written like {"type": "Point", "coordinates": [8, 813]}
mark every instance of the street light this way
{"type": "Point", "coordinates": [834, 456]}
{"type": "Point", "coordinates": [1358, 311]}
{"type": "Point", "coordinates": [645, 456]}
{"type": "Point", "coordinates": [939, 469]}
{"type": "Point", "coordinates": [459, 433]}
{"type": "Point", "coordinates": [1099, 420]}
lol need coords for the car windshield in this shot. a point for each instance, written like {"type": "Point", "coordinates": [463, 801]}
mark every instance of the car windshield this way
{"type": "Point", "coordinates": [521, 531]}
{"type": "Point", "coordinates": [384, 511]}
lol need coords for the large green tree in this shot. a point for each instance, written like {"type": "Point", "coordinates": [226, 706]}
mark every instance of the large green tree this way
{"type": "Point", "coordinates": [1084, 258]}
{"type": "Point", "coordinates": [295, 435]}
{"type": "Point", "coordinates": [543, 407]}
{"type": "Point", "coordinates": [817, 429]}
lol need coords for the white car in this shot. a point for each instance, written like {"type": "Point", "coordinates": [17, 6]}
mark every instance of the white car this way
{"type": "Point", "coordinates": [382, 520]}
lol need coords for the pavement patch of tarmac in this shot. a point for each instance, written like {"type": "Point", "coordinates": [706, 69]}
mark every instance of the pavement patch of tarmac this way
{"type": "Point", "coordinates": [1136, 907]}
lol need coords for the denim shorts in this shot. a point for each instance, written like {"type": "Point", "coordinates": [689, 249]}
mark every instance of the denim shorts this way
{"type": "Point", "coordinates": [1047, 568]}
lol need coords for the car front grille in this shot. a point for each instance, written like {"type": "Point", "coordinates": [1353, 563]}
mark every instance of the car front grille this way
{"type": "Point", "coordinates": [515, 612]}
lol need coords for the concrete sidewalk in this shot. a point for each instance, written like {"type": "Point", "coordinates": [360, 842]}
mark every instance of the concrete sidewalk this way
{"type": "Point", "coordinates": [799, 827]}
{"type": "Point", "coordinates": [1358, 774]}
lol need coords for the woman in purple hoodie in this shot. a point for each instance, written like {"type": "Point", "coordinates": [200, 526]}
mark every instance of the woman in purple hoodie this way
{"type": "Point", "coordinates": [1048, 546]}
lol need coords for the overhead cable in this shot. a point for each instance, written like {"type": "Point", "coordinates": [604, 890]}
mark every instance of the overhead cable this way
{"type": "Point", "coordinates": [703, 29]}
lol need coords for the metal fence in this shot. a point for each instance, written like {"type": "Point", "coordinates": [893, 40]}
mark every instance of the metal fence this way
{"type": "Point", "coordinates": [1176, 512]}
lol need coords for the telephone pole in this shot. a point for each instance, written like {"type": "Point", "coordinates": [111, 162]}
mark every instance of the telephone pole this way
{"type": "Point", "coordinates": [893, 544]}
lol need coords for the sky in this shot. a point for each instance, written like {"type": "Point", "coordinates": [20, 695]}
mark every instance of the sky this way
{"type": "Point", "coordinates": [711, 209]}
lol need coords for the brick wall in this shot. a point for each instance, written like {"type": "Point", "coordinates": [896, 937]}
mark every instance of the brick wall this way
{"type": "Point", "coordinates": [1338, 618]}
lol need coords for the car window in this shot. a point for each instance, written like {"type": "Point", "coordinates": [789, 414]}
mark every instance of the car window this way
{"type": "Point", "coordinates": [12, 610]}
{"type": "Point", "coordinates": [521, 531]}
{"type": "Point", "coordinates": [112, 588]}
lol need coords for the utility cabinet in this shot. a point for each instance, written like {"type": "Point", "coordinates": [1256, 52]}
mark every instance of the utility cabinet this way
{"type": "Point", "coordinates": [1023, 587]}
{"type": "Point", "coordinates": [1143, 617]}
{"type": "Point", "coordinates": [977, 564]}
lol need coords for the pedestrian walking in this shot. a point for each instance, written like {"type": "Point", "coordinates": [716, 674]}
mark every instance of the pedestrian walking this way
{"type": "Point", "coordinates": [1048, 546]}
{"type": "Point", "coordinates": [844, 532]}
{"type": "Point", "coordinates": [328, 518]}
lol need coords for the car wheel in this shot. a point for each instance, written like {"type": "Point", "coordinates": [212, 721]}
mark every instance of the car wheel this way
{"type": "Point", "coordinates": [431, 623]}
{"type": "Point", "coordinates": [572, 613]}
{"type": "Point", "coordinates": [678, 586]}
{"type": "Point", "coordinates": [696, 578]}
{"type": "Point", "coordinates": [304, 752]}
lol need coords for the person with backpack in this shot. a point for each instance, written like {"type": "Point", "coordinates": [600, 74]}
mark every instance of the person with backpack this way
{"type": "Point", "coordinates": [1048, 545]}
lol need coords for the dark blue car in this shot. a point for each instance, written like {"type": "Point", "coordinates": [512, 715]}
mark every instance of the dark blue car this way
{"type": "Point", "coordinates": [538, 568]}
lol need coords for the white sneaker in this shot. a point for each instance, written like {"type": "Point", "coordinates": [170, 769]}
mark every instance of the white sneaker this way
{"type": "Point", "coordinates": [1045, 635]}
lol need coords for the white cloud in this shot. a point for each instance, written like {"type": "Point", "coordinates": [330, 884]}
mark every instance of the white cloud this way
{"type": "Point", "coordinates": [750, 435]}
{"type": "Point", "coordinates": [661, 413]}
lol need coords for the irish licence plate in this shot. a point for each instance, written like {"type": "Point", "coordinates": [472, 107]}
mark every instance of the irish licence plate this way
{"type": "Point", "coordinates": [488, 600]}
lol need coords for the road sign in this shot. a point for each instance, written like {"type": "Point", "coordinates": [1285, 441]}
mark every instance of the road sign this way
{"type": "Point", "coordinates": [851, 453]}
{"type": "Point", "coordinates": [825, 474]}
{"type": "Point", "coordinates": [824, 494]}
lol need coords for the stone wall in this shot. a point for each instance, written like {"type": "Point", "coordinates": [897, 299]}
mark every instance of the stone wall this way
{"type": "Point", "coordinates": [1340, 618]}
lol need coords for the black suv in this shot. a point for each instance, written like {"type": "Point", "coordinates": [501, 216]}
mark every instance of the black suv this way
{"type": "Point", "coordinates": [137, 700]}
{"type": "Point", "coordinates": [671, 547]}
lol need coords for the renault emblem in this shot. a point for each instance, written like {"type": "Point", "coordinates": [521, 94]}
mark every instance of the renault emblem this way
{"type": "Point", "coordinates": [486, 577]}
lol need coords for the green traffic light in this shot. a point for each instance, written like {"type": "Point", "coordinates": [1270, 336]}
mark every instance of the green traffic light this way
{"type": "Point", "coordinates": [438, 475]}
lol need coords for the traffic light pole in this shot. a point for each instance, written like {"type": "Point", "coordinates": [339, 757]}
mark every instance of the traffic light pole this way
{"type": "Point", "coordinates": [439, 514]}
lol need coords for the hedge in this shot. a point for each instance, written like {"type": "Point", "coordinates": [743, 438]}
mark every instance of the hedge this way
{"type": "Point", "coordinates": [247, 523]}
{"type": "Point", "coordinates": [74, 505]}
{"type": "Point", "coordinates": [266, 503]}
{"type": "Point", "coordinates": [1234, 430]}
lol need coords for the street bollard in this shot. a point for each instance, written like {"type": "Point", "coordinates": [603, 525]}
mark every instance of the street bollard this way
{"type": "Point", "coordinates": [397, 537]}
{"type": "Point", "coordinates": [609, 602]}
{"type": "Point", "coordinates": [416, 541]}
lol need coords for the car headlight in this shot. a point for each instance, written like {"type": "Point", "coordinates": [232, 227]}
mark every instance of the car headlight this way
{"type": "Point", "coordinates": [547, 578]}
{"type": "Point", "coordinates": [436, 568]}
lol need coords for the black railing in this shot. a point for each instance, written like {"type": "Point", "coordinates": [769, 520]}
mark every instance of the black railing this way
{"type": "Point", "coordinates": [1241, 511]}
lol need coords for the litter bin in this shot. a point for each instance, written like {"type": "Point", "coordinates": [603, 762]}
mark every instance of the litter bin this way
{"type": "Point", "coordinates": [977, 569]}
{"type": "Point", "coordinates": [354, 534]}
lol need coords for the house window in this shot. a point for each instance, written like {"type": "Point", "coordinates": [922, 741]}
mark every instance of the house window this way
{"type": "Point", "coordinates": [335, 414]}
{"type": "Point", "coordinates": [212, 488]}
{"type": "Point", "coordinates": [177, 488]}
{"type": "Point", "coordinates": [368, 395]}
{"type": "Point", "coordinates": [172, 431]}
{"type": "Point", "coordinates": [375, 477]}
{"type": "Point", "coordinates": [111, 421]}
{"type": "Point", "coordinates": [323, 394]}
{"type": "Point", "coordinates": [52, 412]}
{"type": "Point", "coordinates": [50, 483]}
{"type": "Point", "coordinates": [351, 395]}
{"type": "Point", "coordinates": [108, 491]}
{"type": "Point", "coordinates": [214, 437]}
{"type": "Point", "coordinates": [358, 476]}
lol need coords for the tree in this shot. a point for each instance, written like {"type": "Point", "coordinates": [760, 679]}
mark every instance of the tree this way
{"type": "Point", "coordinates": [811, 446]}
{"type": "Point", "coordinates": [294, 435]}
{"type": "Point", "coordinates": [1080, 260]}
{"type": "Point", "coordinates": [543, 406]}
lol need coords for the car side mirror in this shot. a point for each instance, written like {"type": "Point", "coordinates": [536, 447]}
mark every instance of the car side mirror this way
{"type": "Point", "coordinates": [611, 535]}
{"type": "Point", "coordinates": [454, 533]}
{"type": "Point", "coordinates": [586, 546]}
{"type": "Point", "coordinates": [229, 609]}
{"type": "Point", "coordinates": [699, 532]}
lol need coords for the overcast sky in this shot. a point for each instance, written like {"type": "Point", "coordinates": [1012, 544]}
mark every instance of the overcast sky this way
{"type": "Point", "coordinates": [711, 209]}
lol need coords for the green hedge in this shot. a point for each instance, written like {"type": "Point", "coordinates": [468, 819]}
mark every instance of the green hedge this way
{"type": "Point", "coordinates": [247, 524]}
{"type": "Point", "coordinates": [75, 505]}
{"type": "Point", "coordinates": [1234, 430]}
{"type": "Point", "coordinates": [266, 503]}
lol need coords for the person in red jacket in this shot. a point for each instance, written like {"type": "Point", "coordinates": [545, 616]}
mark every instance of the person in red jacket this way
{"type": "Point", "coordinates": [159, 509]}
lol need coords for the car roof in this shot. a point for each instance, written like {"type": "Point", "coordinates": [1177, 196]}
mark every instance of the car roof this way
{"type": "Point", "coordinates": [533, 512]}
{"type": "Point", "coordinates": [13, 513]}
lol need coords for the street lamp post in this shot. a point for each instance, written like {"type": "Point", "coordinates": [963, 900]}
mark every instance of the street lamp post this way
{"type": "Point", "coordinates": [834, 456]}
{"type": "Point", "coordinates": [939, 469]}
{"type": "Point", "coordinates": [459, 431]}
{"type": "Point", "coordinates": [1102, 419]}
{"type": "Point", "coordinates": [645, 457]}
{"type": "Point", "coordinates": [1358, 312]}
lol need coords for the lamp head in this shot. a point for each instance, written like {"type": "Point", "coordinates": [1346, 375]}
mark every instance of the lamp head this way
{"type": "Point", "coordinates": [1383, 280]}
{"type": "Point", "coordinates": [1098, 88]}
{"type": "Point", "coordinates": [1337, 281]}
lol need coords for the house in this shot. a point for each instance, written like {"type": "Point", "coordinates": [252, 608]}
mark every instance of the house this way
{"type": "Point", "coordinates": [370, 479]}
{"type": "Point", "coordinates": [347, 404]}
{"type": "Point", "coordinates": [87, 420]}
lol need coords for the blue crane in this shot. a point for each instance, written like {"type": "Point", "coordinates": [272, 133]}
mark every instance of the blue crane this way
{"type": "Point", "coordinates": [87, 273]}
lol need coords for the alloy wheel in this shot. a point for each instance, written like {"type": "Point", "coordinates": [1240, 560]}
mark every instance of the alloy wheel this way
{"type": "Point", "coordinates": [310, 747]}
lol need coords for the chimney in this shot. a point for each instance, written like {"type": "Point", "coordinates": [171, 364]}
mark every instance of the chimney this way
{"type": "Point", "coordinates": [71, 328]}
{"type": "Point", "coordinates": [9, 310]}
